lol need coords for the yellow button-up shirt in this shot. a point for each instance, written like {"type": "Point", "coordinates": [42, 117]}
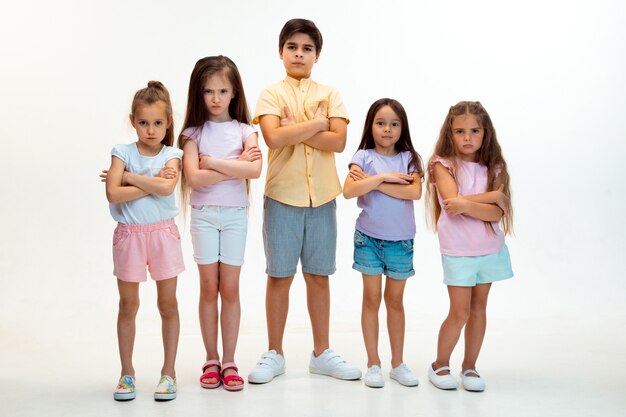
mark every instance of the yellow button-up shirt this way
{"type": "Point", "coordinates": [300, 175]}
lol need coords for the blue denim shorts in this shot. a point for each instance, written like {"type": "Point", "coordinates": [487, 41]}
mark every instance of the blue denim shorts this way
{"type": "Point", "coordinates": [376, 256]}
{"type": "Point", "coordinates": [308, 234]}
{"type": "Point", "coordinates": [468, 271]}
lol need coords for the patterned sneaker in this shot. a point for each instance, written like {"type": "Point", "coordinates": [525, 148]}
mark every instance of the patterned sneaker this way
{"type": "Point", "coordinates": [374, 377]}
{"type": "Point", "coordinates": [330, 363]}
{"type": "Point", "coordinates": [166, 389]}
{"type": "Point", "coordinates": [404, 376]}
{"type": "Point", "coordinates": [269, 366]}
{"type": "Point", "coordinates": [125, 389]}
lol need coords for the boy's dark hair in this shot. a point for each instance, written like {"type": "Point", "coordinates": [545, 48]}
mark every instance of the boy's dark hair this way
{"type": "Point", "coordinates": [301, 26]}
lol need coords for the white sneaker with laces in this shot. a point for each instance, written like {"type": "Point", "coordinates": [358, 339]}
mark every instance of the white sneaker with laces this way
{"type": "Point", "coordinates": [374, 377]}
{"type": "Point", "coordinates": [404, 376]}
{"type": "Point", "coordinates": [270, 365]}
{"type": "Point", "coordinates": [330, 363]}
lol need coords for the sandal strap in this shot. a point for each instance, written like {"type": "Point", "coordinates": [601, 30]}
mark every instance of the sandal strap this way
{"type": "Point", "coordinates": [471, 371]}
{"type": "Point", "coordinates": [229, 365]}
{"type": "Point", "coordinates": [443, 368]}
{"type": "Point", "coordinates": [211, 362]}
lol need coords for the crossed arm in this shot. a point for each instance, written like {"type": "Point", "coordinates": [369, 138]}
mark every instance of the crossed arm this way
{"type": "Point", "coordinates": [122, 186]}
{"type": "Point", "coordinates": [489, 206]}
{"type": "Point", "coordinates": [319, 132]}
{"type": "Point", "coordinates": [203, 170]}
{"type": "Point", "coordinates": [394, 184]}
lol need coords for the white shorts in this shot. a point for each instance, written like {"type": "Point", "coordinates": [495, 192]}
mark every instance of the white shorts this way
{"type": "Point", "coordinates": [218, 233]}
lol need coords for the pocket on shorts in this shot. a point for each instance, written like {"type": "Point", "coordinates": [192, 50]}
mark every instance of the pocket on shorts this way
{"type": "Point", "coordinates": [360, 239]}
{"type": "Point", "coordinates": [119, 236]}
{"type": "Point", "coordinates": [173, 231]}
{"type": "Point", "coordinates": [407, 245]}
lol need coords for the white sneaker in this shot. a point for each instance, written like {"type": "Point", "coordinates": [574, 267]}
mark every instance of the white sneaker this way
{"type": "Point", "coordinates": [374, 377]}
{"type": "Point", "coordinates": [270, 365]}
{"type": "Point", "coordinates": [471, 383]}
{"type": "Point", "coordinates": [442, 381]}
{"type": "Point", "coordinates": [330, 363]}
{"type": "Point", "coordinates": [404, 376]}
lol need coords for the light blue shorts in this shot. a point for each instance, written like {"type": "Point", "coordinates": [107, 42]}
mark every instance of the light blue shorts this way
{"type": "Point", "coordinates": [308, 234]}
{"type": "Point", "coordinates": [376, 256]}
{"type": "Point", "coordinates": [218, 233]}
{"type": "Point", "coordinates": [468, 271]}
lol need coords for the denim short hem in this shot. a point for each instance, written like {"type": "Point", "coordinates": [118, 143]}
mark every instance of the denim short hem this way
{"type": "Point", "coordinates": [206, 261]}
{"type": "Point", "coordinates": [400, 276]}
{"type": "Point", "coordinates": [367, 270]}
{"type": "Point", "coordinates": [231, 262]}
{"type": "Point", "coordinates": [323, 272]}
{"type": "Point", "coordinates": [484, 281]}
{"type": "Point", "coordinates": [280, 274]}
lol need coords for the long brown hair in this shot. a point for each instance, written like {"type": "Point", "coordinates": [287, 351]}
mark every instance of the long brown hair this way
{"type": "Point", "coordinates": [155, 91]}
{"type": "Point", "coordinates": [489, 155]}
{"type": "Point", "coordinates": [403, 144]}
{"type": "Point", "coordinates": [197, 112]}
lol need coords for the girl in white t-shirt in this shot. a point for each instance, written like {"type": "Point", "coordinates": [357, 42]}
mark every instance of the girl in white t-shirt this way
{"type": "Point", "coordinates": [140, 188]}
{"type": "Point", "coordinates": [469, 200]}
{"type": "Point", "coordinates": [220, 155]}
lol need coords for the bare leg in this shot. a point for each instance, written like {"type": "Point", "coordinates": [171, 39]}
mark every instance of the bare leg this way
{"type": "Point", "coordinates": [168, 307]}
{"type": "Point", "coordinates": [128, 307]}
{"type": "Point", "coordinates": [460, 298]}
{"type": "Point", "coordinates": [372, 296]}
{"type": "Point", "coordinates": [276, 309]}
{"type": "Point", "coordinates": [394, 292]}
{"type": "Point", "coordinates": [230, 314]}
{"type": "Point", "coordinates": [318, 303]}
{"type": "Point", "coordinates": [476, 326]}
{"type": "Point", "coordinates": [207, 308]}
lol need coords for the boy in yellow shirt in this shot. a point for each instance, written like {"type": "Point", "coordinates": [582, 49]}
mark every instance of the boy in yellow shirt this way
{"type": "Point", "coordinates": [303, 123]}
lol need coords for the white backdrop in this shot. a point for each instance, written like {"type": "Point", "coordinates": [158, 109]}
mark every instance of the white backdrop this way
{"type": "Point", "coordinates": [551, 74]}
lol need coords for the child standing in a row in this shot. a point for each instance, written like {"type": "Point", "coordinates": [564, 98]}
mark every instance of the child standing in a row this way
{"type": "Point", "coordinates": [220, 154]}
{"type": "Point", "coordinates": [140, 188]}
{"type": "Point", "coordinates": [303, 123]}
{"type": "Point", "coordinates": [386, 176]}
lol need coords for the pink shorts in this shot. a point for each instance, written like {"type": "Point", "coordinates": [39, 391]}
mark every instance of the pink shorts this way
{"type": "Point", "coordinates": [156, 245]}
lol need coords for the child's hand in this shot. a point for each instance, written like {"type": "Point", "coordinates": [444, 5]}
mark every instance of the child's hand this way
{"type": "Point", "coordinates": [288, 119]}
{"type": "Point", "coordinates": [205, 162]}
{"type": "Point", "coordinates": [455, 205]}
{"type": "Point", "coordinates": [103, 175]}
{"type": "Point", "coordinates": [323, 120]}
{"type": "Point", "coordinates": [168, 173]}
{"type": "Point", "coordinates": [397, 178]}
{"type": "Point", "coordinates": [356, 173]}
{"type": "Point", "coordinates": [250, 154]}
{"type": "Point", "coordinates": [503, 201]}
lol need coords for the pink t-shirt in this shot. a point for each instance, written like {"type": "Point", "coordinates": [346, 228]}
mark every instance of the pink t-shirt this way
{"type": "Point", "coordinates": [464, 235]}
{"type": "Point", "coordinates": [223, 140]}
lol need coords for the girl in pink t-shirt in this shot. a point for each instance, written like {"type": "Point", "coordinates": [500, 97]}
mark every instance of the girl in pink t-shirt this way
{"type": "Point", "coordinates": [469, 200]}
{"type": "Point", "coordinates": [220, 155]}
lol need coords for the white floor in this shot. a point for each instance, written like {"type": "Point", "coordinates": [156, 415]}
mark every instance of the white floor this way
{"type": "Point", "coordinates": [555, 367]}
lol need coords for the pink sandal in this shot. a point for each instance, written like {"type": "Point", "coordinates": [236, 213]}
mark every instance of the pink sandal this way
{"type": "Point", "coordinates": [229, 378]}
{"type": "Point", "coordinates": [212, 374]}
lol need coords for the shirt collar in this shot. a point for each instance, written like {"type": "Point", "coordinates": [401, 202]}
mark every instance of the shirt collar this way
{"type": "Point", "coordinates": [297, 83]}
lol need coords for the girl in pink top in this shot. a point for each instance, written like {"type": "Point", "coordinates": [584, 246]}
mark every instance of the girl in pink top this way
{"type": "Point", "coordinates": [469, 200]}
{"type": "Point", "coordinates": [220, 155]}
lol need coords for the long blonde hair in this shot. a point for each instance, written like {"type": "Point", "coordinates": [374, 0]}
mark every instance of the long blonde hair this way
{"type": "Point", "coordinates": [489, 155]}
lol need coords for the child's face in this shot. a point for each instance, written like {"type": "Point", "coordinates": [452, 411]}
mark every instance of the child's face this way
{"type": "Point", "coordinates": [218, 92]}
{"type": "Point", "coordinates": [299, 55]}
{"type": "Point", "coordinates": [151, 123]}
{"type": "Point", "coordinates": [386, 130]}
{"type": "Point", "coordinates": [467, 135]}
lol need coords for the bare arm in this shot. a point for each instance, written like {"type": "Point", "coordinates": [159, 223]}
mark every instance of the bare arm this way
{"type": "Point", "coordinates": [410, 191]}
{"type": "Point", "coordinates": [286, 132]}
{"type": "Point", "coordinates": [455, 204]}
{"type": "Point", "coordinates": [116, 192]}
{"type": "Point", "coordinates": [358, 183]}
{"type": "Point", "coordinates": [333, 140]}
{"type": "Point", "coordinates": [196, 177]}
{"type": "Point", "coordinates": [248, 165]}
{"type": "Point", "coordinates": [154, 185]}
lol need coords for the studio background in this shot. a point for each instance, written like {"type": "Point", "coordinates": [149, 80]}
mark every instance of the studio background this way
{"type": "Point", "coordinates": [551, 75]}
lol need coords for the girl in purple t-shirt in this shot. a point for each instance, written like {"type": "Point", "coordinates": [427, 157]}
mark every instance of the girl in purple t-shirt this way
{"type": "Point", "coordinates": [469, 199]}
{"type": "Point", "coordinates": [220, 155]}
{"type": "Point", "coordinates": [386, 176]}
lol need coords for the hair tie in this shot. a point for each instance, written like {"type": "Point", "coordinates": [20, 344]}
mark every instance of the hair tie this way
{"type": "Point", "coordinates": [152, 85]}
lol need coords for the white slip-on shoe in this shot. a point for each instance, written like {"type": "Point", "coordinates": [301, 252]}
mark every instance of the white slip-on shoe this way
{"type": "Point", "coordinates": [442, 381]}
{"type": "Point", "coordinates": [470, 383]}
{"type": "Point", "coordinates": [270, 365]}
{"type": "Point", "coordinates": [330, 363]}
{"type": "Point", "coordinates": [403, 375]}
{"type": "Point", "coordinates": [374, 377]}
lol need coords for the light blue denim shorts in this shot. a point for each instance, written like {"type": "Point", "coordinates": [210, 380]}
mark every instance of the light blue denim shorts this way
{"type": "Point", "coordinates": [468, 271]}
{"type": "Point", "coordinates": [218, 233]}
{"type": "Point", "coordinates": [308, 234]}
{"type": "Point", "coordinates": [376, 256]}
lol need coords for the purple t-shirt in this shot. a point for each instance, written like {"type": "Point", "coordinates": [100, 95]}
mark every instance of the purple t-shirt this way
{"type": "Point", "coordinates": [223, 140]}
{"type": "Point", "coordinates": [384, 217]}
